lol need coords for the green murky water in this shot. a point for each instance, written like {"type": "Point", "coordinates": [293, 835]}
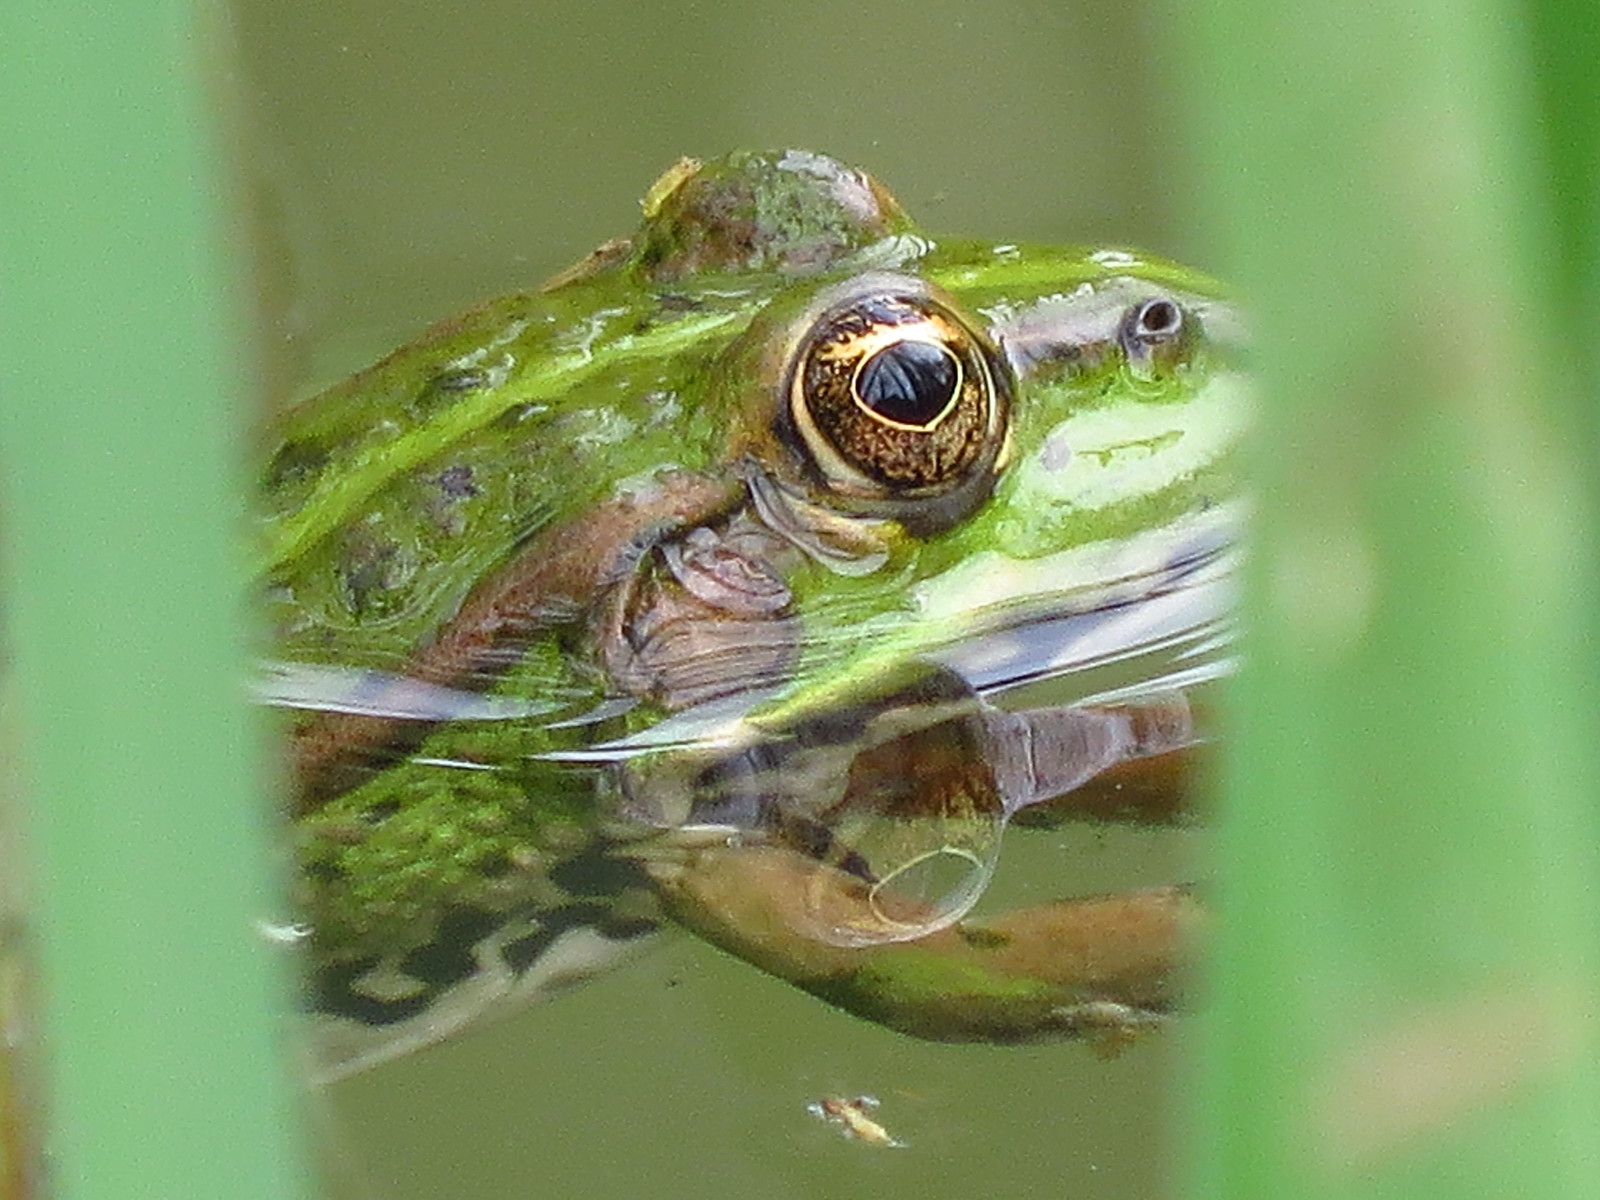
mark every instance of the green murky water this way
{"type": "Point", "coordinates": [687, 1073]}
{"type": "Point", "coordinates": [404, 161]}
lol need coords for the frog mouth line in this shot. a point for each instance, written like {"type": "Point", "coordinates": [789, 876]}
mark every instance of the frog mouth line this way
{"type": "Point", "coordinates": [1183, 617]}
{"type": "Point", "coordinates": [987, 667]}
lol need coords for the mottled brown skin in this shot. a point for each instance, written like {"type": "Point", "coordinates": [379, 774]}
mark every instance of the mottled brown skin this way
{"type": "Point", "coordinates": [1102, 967]}
{"type": "Point", "coordinates": [726, 216]}
{"type": "Point", "coordinates": [556, 577]}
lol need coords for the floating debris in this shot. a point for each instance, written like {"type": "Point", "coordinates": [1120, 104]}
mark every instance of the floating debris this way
{"type": "Point", "coordinates": [851, 1119]}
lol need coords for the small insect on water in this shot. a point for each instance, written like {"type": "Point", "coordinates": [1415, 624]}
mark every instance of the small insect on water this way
{"type": "Point", "coordinates": [851, 1119]}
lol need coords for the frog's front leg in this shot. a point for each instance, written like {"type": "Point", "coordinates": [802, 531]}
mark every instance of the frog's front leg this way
{"type": "Point", "coordinates": [848, 876]}
{"type": "Point", "coordinates": [1099, 966]}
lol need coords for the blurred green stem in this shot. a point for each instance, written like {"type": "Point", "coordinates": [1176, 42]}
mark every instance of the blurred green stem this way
{"type": "Point", "coordinates": [122, 597]}
{"type": "Point", "coordinates": [1405, 987]}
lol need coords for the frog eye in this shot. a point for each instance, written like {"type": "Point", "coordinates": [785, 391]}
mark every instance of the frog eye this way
{"type": "Point", "coordinates": [895, 398]}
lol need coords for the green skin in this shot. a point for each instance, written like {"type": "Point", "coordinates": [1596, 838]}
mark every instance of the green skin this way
{"type": "Point", "coordinates": [604, 416]}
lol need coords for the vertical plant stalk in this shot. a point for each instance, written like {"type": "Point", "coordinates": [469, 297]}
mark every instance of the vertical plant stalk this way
{"type": "Point", "coordinates": [123, 586]}
{"type": "Point", "coordinates": [1404, 990]}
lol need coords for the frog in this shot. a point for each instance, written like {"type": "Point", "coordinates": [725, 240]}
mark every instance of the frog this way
{"type": "Point", "coordinates": [755, 575]}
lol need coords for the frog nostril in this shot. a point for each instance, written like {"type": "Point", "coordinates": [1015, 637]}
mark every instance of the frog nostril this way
{"type": "Point", "coordinates": [1159, 318]}
{"type": "Point", "coordinates": [1152, 333]}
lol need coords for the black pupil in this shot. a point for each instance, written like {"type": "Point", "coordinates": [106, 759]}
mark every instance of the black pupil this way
{"type": "Point", "coordinates": [909, 382]}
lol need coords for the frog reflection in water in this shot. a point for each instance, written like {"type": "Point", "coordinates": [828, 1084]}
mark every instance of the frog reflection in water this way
{"type": "Point", "coordinates": [755, 573]}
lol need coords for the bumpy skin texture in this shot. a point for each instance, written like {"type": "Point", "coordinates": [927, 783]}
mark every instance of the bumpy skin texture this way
{"type": "Point", "coordinates": [611, 500]}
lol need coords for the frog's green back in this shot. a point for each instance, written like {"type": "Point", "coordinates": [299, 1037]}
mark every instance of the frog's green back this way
{"type": "Point", "coordinates": [397, 489]}
{"type": "Point", "coordinates": [389, 494]}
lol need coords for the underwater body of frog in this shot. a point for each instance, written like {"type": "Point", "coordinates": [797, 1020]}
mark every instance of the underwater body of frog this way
{"type": "Point", "coordinates": [722, 578]}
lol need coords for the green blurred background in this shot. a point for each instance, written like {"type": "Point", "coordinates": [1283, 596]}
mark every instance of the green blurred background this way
{"type": "Point", "coordinates": [403, 161]}
{"type": "Point", "coordinates": [1405, 996]}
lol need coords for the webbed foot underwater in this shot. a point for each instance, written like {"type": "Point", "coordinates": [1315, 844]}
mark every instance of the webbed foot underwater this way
{"type": "Point", "coordinates": [762, 573]}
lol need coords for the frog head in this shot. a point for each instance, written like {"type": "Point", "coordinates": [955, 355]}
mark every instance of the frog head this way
{"type": "Point", "coordinates": [739, 550]}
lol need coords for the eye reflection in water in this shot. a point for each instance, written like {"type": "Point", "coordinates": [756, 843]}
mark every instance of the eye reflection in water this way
{"type": "Point", "coordinates": [914, 835]}
{"type": "Point", "coordinates": [892, 805]}
{"type": "Point", "coordinates": [892, 799]}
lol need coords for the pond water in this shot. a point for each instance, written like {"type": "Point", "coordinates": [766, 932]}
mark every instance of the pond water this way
{"type": "Point", "coordinates": [688, 1072]}
{"type": "Point", "coordinates": [405, 162]}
